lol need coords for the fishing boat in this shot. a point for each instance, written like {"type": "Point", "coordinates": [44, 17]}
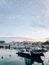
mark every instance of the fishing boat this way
{"type": "Point", "coordinates": [30, 52]}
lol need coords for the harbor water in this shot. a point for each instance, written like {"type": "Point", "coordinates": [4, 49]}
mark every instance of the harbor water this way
{"type": "Point", "coordinates": [9, 57]}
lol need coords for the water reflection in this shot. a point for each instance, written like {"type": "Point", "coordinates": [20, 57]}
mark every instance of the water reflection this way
{"type": "Point", "coordinates": [30, 61]}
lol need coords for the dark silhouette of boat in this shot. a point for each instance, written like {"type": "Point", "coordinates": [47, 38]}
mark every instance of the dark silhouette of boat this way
{"type": "Point", "coordinates": [30, 53]}
{"type": "Point", "coordinates": [29, 60]}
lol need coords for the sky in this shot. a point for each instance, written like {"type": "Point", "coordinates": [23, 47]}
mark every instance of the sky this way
{"type": "Point", "coordinates": [24, 18]}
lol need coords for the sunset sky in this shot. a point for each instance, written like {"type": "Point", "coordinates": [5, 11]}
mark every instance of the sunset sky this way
{"type": "Point", "coordinates": [24, 18]}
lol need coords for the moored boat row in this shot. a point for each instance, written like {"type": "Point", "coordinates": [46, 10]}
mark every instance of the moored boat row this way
{"type": "Point", "coordinates": [31, 52]}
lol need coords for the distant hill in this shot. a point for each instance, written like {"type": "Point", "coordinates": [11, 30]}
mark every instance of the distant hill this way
{"type": "Point", "coordinates": [9, 39]}
{"type": "Point", "coordinates": [19, 39]}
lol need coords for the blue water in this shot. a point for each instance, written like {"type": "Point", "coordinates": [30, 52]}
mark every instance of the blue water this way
{"type": "Point", "coordinates": [14, 59]}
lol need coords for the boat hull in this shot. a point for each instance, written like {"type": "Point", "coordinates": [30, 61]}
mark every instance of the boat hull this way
{"type": "Point", "coordinates": [30, 55]}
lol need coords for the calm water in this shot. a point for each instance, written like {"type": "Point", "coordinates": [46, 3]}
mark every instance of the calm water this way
{"type": "Point", "coordinates": [14, 59]}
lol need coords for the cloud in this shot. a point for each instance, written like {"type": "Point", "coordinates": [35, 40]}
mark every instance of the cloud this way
{"type": "Point", "coordinates": [12, 3]}
{"type": "Point", "coordinates": [7, 23]}
{"type": "Point", "coordinates": [15, 17]}
{"type": "Point", "coordinates": [34, 13]}
{"type": "Point", "coordinates": [42, 20]}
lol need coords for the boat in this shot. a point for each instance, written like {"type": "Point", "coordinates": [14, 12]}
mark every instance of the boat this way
{"type": "Point", "coordinates": [30, 53]}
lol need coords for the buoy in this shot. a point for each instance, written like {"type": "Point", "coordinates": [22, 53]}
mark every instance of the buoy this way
{"type": "Point", "coordinates": [2, 57]}
{"type": "Point", "coordinates": [9, 55]}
